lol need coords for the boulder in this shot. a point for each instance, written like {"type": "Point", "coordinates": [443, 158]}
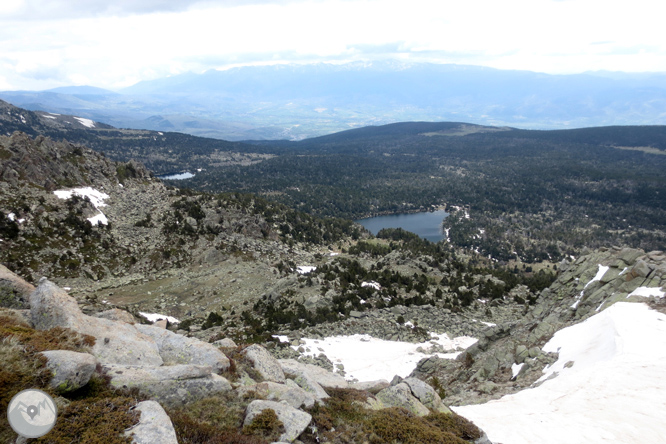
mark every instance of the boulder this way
{"type": "Point", "coordinates": [71, 370]}
{"type": "Point", "coordinates": [14, 291]}
{"type": "Point", "coordinates": [293, 395]}
{"type": "Point", "coordinates": [154, 425]}
{"type": "Point", "coordinates": [116, 314]}
{"type": "Point", "coordinates": [225, 343]}
{"type": "Point", "coordinates": [629, 255]}
{"type": "Point", "coordinates": [173, 385]}
{"type": "Point", "coordinates": [373, 387]}
{"type": "Point", "coordinates": [640, 269]}
{"type": "Point", "coordinates": [293, 369]}
{"type": "Point", "coordinates": [116, 342]}
{"type": "Point", "coordinates": [179, 349]}
{"type": "Point", "coordinates": [400, 395]}
{"type": "Point", "coordinates": [264, 363]}
{"type": "Point", "coordinates": [307, 383]}
{"type": "Point", "coordinates": [295, 421]}
{"type": "Point", "coordinates": [426, 395]}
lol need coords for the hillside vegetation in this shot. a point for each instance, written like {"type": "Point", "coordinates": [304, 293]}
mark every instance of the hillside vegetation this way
{"type": "Point", "coordinates": [529, 195]}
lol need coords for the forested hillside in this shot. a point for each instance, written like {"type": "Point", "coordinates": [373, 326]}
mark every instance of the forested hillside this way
{"type": "Point", "coordinates": [532, 195]}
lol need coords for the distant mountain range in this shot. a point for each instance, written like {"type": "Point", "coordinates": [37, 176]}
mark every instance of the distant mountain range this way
{"type": "Point", "coordinates": [298, 101]}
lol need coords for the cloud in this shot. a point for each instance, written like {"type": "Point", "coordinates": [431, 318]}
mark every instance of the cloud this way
{"type": "Point", "coordinates": [117, 43]}
{"type": "Point", "coordinates": [65, 9]}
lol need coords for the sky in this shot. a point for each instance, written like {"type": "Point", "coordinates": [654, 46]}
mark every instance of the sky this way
{"type": "Point", "coordinates": [114, 44]}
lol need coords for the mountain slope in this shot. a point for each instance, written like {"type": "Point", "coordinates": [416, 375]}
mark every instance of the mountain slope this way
{"type": "Point", "coordinates": [299, 101]}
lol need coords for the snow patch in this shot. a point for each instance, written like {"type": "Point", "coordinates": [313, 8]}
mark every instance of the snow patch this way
{"type": "Point", "coordinates": [282, 339]}
{"type": "Point", "coordinates": [86, 122]}
{"type": "Point", "coordinates": [608, 389]}
{"type": "Point", "coordinates": [600, 273]}
{"type": "Point", "coordinates": [154, 317]}
{"type": "Point", "coordinates": [515, 369]}
{"type": "Point", "coordinates": [646, 292]}
{"type": "Point", "coordinates": [372, 284]}
{"type": "Point", "coordinates": [305, 269]}
{"type": "Point", "coordinates": [97, 199]}
{"type": "Point", "coordinates": [180, 176]}
{"type": "Point", "coordinates": [366, 358]}
{"type": "Point", "coordinates": [48, 117]}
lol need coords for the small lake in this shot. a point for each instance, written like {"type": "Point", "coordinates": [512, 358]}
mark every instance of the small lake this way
{"type": "Point", "coordinates": [428, 225]}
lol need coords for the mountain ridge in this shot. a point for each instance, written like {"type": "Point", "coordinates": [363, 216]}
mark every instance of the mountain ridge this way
{"type": "Point", "coordinates": [301, 101]}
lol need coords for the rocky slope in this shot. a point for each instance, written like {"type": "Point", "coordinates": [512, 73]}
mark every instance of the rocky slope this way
{"type": "Point", "coordinates": [164, 246]}
{"type": "Point", "coordinates": [584, 287]}
{"type": "Point", "coordinates": [175, 371]}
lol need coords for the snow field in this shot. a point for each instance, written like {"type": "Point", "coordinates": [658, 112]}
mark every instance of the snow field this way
{"type": "Point", "coordinates": [607, 386]}
{"type": "Point", "coordinates": [367, 359]}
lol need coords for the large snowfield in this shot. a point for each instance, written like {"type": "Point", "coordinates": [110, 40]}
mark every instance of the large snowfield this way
{"type": "Point", "coordinates": [367, 359]}
{"type": "Point", "coordinates": [608, 386]}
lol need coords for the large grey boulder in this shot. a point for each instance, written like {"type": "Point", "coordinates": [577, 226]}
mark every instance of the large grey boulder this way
{"type": "Point", "coordinates": [426, 395]}
{"type": "Point", "coordinates": [400, 395]}
{"type": "Point", "coordinates": [154, 425]}
{"type": "Point", "coordinates": [264, 363]}
{"type": "Point", "coordinates": [71, 370]}
{"type": "Point", "coordinates": [293, 369]}
{"type": "Point", "coordinates": [14, 291]}
{"type": "Point", "coordinates": [116, 342]}
{"type": "Point", "coordinates": [295, 421]}
{"type": "Point", "coordinates": [173, 385]}
{"type": "Point", "coordinates": [307, 383]}
{"type": "Point", "coordinates": [179, 349]}
{"type": "Point", "coordinates": [293, 395]}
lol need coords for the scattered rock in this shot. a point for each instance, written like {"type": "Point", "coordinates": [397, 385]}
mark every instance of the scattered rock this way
{"type": "Point", "coordinates": [178, 349]}
{"type": "Point", "coordinates": [292, 394]}
{"type": "Point", "coordinates": [373, 387]}
{"type": "Point", "coordinates": [71, 370]}
{"type": "Point", "coordinates": [295, 421]}
{"type": "Point", "coordinates": [400, 395]}
{"type": "Point", "coordinates": [116, 314]}
{"type": "Point", "coordinates": [264, 363]}
{"type": "Point", "coordinates": [116, 342]}
{"type": "Point", "coordinates": [173, 385]}
{"type": "Point", "coordinates": [293, 369]}
{"type": "Point", "coordinates": [426, 395]}
{"type": "Point", "coordinates": [14, 291]}
{"type": "Point", "coordinates": [154, 425]}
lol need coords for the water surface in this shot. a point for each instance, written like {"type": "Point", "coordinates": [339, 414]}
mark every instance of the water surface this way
{"type": "Point", "coordinates": [428, 225]}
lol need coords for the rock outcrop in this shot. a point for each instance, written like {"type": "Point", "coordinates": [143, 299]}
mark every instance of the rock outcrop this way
{"type": "Point", "coordinates": [172, 385]}
{"type": "Point", "coordinates": [294, 421]}
{"type": "Point", "coordinates": [264, 363]}
{"type": "Point", "coordinates": [154, 425]}
{"type": "Point", "coordinates": [71, 370]}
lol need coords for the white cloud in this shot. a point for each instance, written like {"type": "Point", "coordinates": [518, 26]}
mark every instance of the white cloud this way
{"type": "Point", "coordinates": [114, 44]}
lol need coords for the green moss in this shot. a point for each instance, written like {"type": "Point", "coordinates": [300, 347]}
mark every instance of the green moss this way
{"type": "Point", "coordinates": [265, 424]}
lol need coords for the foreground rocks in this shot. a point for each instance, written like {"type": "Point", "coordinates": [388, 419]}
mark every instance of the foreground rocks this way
{"type": "Point", "coordinates": [154, 425]}
{"type": "Point", "coordinates": [71, 370]}
{"type": "Point", "coordinates": [294, 421]}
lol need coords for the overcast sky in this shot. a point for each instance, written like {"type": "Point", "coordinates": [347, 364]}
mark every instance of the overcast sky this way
{"type": "Point", "coordinates": [116, 43]}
